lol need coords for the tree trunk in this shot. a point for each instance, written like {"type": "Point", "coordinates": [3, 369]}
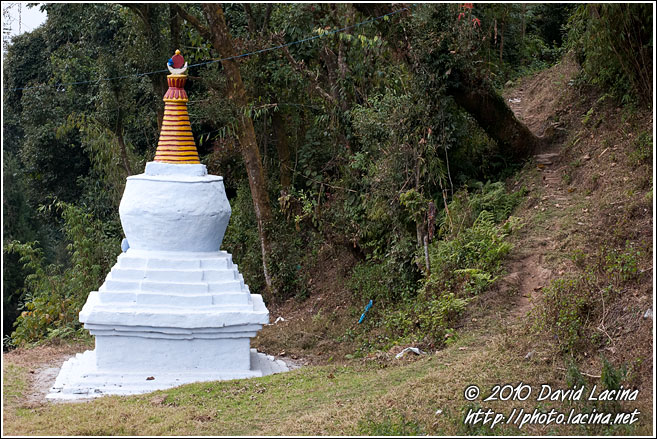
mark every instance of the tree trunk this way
{"type": "Point", "coordinates": [223, 43]}
{"type": "Point", "coordinates": [283, 149]}
{"type": "Point", "coordinates": [147, 14]}
{"type": "Point", "coordinates": [124, 151]}
{"type": "Point", "coordinates": [484, 104]}
{"type": "Point", "coordinates": [493, 114]}
{"type": "Point", "coordinates": [501, 41]}
{"type": "Point", "coordinates": [523, 26]}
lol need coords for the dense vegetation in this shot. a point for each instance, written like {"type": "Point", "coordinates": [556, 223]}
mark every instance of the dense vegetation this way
{"type": "Point", "coordinates": [361, 138]}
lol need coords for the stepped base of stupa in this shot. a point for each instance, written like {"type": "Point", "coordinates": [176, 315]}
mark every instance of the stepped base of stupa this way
{"type": "Point", "coordinates": [162, 319]}
{"type": "Point", "coordinates": [80, 378]}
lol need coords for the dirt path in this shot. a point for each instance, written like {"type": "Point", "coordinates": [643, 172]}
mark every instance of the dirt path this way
{"type": "Point", "coordinates": [535, 101]}
{"type": "Point", "coordinates": [43, 363]}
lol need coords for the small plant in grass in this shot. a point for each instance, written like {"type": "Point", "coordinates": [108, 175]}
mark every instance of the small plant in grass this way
{"type": "Point", "coordinates": [594, 178]}
{"type": "Point", "coordinates": [389, 426]}
{"type": "Point", "coordinates": [574, 378]}
{"type": "Point", "coordinates": [587, 116]}
{"type": "Point", "coordinates": [611, 376]}
{"type": "Point", "coordinates": [567, 178]}
{"type": "Point", "coordinates": [566, 307]}
{"type": "Point", "coordinates": [642, 152]}
{"type": "Point", "coordinates": [623, 265]}
{"type": "Point", "coordinates": [578, 257]}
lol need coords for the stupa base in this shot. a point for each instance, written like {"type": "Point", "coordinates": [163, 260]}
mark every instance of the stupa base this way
{"type": "Point", "coordinates": [80, 378]}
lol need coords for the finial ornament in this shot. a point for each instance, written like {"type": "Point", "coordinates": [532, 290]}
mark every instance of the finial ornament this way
{"type": "Point", "coordinates": [176, 144]}
{"type": "Point", "coordinates": [177, 64]}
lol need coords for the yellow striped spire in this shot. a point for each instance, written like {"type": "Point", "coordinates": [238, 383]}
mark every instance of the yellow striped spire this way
{"type": "Point", "coordinates": [176, 144]}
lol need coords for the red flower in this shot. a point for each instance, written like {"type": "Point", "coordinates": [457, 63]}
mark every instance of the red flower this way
{"type": "Point", "coordinates": [461, 15]}
{"type": "Point", "coordinates": [466, 5]}
{"type": "Point", "coordinates": [476, 22]}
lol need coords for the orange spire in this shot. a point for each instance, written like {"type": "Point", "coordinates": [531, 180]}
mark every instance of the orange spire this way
{"type": "Point", "coordinates": [176, 144]}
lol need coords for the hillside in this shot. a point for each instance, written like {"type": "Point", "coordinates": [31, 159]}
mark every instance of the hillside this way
{"type": "Point", "coordinates": [574, 306]}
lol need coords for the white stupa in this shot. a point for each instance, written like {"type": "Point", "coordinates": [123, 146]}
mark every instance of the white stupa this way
{"type": "Point", "coordinates": [174, 309]}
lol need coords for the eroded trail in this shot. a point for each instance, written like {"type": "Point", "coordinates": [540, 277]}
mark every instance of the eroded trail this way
{"type": "Point", "coordinates": [535, 101]}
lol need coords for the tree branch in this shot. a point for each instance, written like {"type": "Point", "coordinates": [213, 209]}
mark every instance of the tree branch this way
{"type": "Point", "coordinates": [191, 19]}
{"type": "Point", "coordinates": [301, 69]}
{"type": "Point", "coordinates": [249, 17]}
{"type": "Point", "coordinates": [265, 21]}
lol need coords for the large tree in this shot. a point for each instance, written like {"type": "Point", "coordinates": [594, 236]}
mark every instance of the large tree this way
{"type": "Point", "coordinates": [216, 31]}
{"type": "Point", "coordinates": [461, 80]}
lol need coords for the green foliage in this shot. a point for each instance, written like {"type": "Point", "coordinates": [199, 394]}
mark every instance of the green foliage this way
{"type": "Point", "coordinates": [53, 295]}
{"type": "Point", "coordinates": [389, 426]}
{"type": "Point", "coordinates": [507, 41]}
{"type": "Point", "coordinates": [537, 54]}
{"type": "Point", "coordinates": [468, 262]}
{"type": "Point", "coordinates": [19, 223]}
{"type": "Point", "coordinates": [241, 239]}
{"type": "Point", "coordinates": [288, 254]}
{"type": "Point", "coordinates": [463, 265]}
{"type": "Point", "coordinates": [375, 280]}
{"type": "Point", "coordinates": [63, 140]}
{"type": "Point", "coordinates": [373, 138]}
{"type": "Point", "coordinates": [622, 265]}
{"type": "Point", "coordinates": [587, 116]}
{"type": "Point", "coordinates": [643, 151]}
{"type": "Point", "coordinates": [435, 316]}
{"type": "Point", "coordinates": [368, 282]}
{"type": "Point", "coordinates": [480, 246]}
{"type": "Point", "coordinates": [572, 305]}
{"type": "Point", "coordinates": [613, 43]}
{"type": "Point", "coordinates": [574, 377]}
{"type": "Point", "coordinates": [567, 306]}
{"type": "Point", "coordinates": [415, 204]}
{"type": "Point", "coordinates": [612, 377]}
{"type": "Point", "coordinates": [490, 197]}
{"type": "Point", "coordinates": [288, 251]}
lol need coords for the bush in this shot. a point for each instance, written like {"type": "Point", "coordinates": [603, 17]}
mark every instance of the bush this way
{"type": "Point", "coordinates": [242, 241]}
{"type": "Point", "coordinates": [54, 294]}
{"type": "Point", "coordinates": [287, 249]}
{"type": "Point", "coordinates": [368, 282]}
{"type": "Point", "coordinates": [437, 315]}
{"type": "Point", "coordinates": [567, 306]}
{"type": "Point", "coordinates": [572, 306]}
{"type": "Point", "coordinates": [466, 206]}
{"type": "Point", "coordinates": [461, 268]}
{"type": "Point", "coordinates": [480, 247]}
{"type": "Point", "coordinates": [463, 264]}
{"type": "Point", "coordinates": [613, 44]}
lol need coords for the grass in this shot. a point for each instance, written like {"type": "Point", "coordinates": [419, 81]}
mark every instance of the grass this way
{"type": "Point", "coordinates": [377, 397]}
{"type": "Point", "coordinates": [15, 382]}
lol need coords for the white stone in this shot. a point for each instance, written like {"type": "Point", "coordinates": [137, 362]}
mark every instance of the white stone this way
{"type": "Point", "coordinates": [175, 212]}
{"type": "Point", "coordinates": [174, 306]}
{"type": "Point", "coordinates": [192, 170]}
{"type": "Point", "coordinates": [80, 378]}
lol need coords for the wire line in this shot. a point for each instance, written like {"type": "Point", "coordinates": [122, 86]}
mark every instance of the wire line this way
{"type": "Point", "coordinates": [244, 55]}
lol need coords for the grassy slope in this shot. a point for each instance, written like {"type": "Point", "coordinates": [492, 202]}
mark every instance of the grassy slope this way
{"type": "Point", "coordinates": [400, 396]}
{"type": "Point", "coordinates": [381, 395]}
{"type": "Point", "coordinates": [365, 397]}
